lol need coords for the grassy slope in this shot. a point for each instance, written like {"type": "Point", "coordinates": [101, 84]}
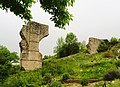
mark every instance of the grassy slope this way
{"type": "Point", "coordinates": [80, 66]}
{"type": "Point", "coordinates": [83, 66]}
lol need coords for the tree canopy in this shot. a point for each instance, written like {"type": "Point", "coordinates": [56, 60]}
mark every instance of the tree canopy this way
{"type": "Point", "coordinates": [57, 8]}
{"type": "Point", "coordinates": [6, 60]}
{"type": "Point", "coordinates": [67, 46]}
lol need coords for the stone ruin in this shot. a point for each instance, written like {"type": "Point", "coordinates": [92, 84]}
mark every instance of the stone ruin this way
{"type": "Point", "coordinates": [31, 34]}
{"type": "Point", "coordinates": [93, 45]}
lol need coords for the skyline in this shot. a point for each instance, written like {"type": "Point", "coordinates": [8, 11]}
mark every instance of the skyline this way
{"type": "Point", "coordinates": [92, 18]}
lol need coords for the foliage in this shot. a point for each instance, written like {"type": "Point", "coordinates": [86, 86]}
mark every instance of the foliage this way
{"type": "Point", "coordinates": [55, 84]}
{"type": "Point", "coordinates": [104, 46]}
{"type": "Point", "coordinates": [60, 43]}
{"type": "Point", "coordinates": [115, 84]}
{"type": "Point", "coordinates": [116, 49]}
{"type": "Point", "coordinates": [18, 7]}
{"type": "Point", "coordinates": [84, 82]}
{"type": "Point", "coordinates": [107, 44]}
{"type": "Point", "coordinates": [83, 47]}
{"type": "Point", "coordinates": [114, 41]}
{"type": "Point", "coordinates": [65, 76]}
{"type": "Point", "coordinates": [6, 60]}
{"type": "Point", "coordinates": [25, 79]}
{"type": "Point", "coordinates": [52, 67]}
{"type": "Point", "coordinates": [47, 78]}
{"type": "Point", "coordinates": [57, 8]}
{"type": "Point", "coordinates": [67, 47]}
{"type": "Point", "coordinates": [111, 75]}
{"type": "Point", "coordinates": [78, 66]}
{"type": "Point", "coordinates": [59, 11]}
{"type": "Point", "coordinates": [71, 38]}
{"type": "Point", "coordinates": [117, 63]}
{"type": "Point", "coordinates": [49, 57]}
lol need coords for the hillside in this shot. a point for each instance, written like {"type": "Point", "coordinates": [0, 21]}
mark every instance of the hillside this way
{"type": "Point", "coordinates": [82, 67]}
{"type": "Point", "coordinates": [72, 71]}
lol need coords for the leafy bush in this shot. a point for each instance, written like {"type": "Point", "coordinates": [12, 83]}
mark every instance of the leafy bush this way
{"type": "Point", "coordinates": [55, 84]}
{"type": "Point", "coordinates": [111, 75]}
{"type": "Point", "coordinates": [119, 56]}
{"type": "Point", "coordinates": [24, 79]}
{"type": "Point", "coordinates": [104, 46]}
{"type": "Point", "coordinates": [47, 78]}
{"type": "Point", "coordinates": [84, 82]}
{"type": "Point", "coordinates": [107, 44]}
{"type": "Point", "coordinates": [117, 63]}
{"type": "Point", "coordinates": [65, 76]}
{"type": "Point", "coordinates": [69, 49]}
{"type": "Point", "coordinates": [83, 47]}
{"type": "Point", "coordinates": [53, 68]}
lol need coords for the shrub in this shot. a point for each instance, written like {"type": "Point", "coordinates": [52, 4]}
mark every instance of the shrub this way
{"type": "Point", "coordinates": [46, 57]}
{"type": "Point", "coordinates": [84, 82]}
{"type": "Point", "coordinates": [117, 63]}
{"type": "Point", "coordinates": [24, 79]}
{"type": "Point", "coordinates": [47, 78]}
{"type": "Point", "coordinates": [119, 56]}
{"type": "Point", "coordinates": [65, 76]}
{"type": "Point", "coordinates": [55, 84]}
{"type": "Point", "coordinates": [104, 46]}
{"type": "Point", "coordinates": [111, 75]}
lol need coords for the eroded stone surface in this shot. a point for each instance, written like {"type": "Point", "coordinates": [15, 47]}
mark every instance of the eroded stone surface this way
{"type": "Point", "coordinates": [31, 35]}
{"type": "Point", "coordinates": [93, 45]}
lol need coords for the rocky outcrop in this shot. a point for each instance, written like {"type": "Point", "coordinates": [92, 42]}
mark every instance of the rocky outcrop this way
{"type": "Point", "coordinates": [93, 45]}
{"type": "Point", "coordinates": [31, 34]}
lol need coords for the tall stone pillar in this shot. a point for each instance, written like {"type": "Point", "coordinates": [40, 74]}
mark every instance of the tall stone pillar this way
{"type": "Point", "coordinates": [31, 35]}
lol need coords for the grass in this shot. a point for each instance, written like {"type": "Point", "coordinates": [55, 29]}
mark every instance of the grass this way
{"type": "Point", "coordinates": [78, 66]}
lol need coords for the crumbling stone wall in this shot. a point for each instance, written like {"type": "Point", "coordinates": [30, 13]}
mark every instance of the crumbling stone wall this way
{"type": "Point", "coordinates": [31, 35]}
{"type": "Point", "coordinates": [93, 45]}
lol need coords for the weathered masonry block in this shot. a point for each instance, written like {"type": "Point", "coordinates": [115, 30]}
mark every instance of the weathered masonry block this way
{"type": "Point", "coordinates": [93, 45]}
{"type": "Point", "coordinates": [31, 34]}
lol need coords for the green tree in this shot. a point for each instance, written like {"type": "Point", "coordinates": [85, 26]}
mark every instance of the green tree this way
{"type": "Point", "coordinates": [6, 60]}
{"type": "Point", "coordinates": [114, 41]}
{"type": "Point", "coordinates": [83, 47]}
{"type": "Point", "coordinates": [57, 8]}
{"type": "Point", "coordinates": [67, 47]}
{"type": "Point", "coordinates": [60, 43]}
{"type": "Point", "coordinates": [70, 38]}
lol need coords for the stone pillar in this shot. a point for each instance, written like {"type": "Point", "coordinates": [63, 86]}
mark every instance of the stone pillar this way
{"type": "Point", "coordinates": [31, 35]}
{"type": "Point", "coordinates": [93, 45]}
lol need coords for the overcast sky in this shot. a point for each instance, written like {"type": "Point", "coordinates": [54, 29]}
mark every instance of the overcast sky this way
{"type": "Point", "coordinates": [92, 18]}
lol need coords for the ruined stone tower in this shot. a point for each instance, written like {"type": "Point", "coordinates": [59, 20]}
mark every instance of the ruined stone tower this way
{"type": "Point", "coordinates": [31, 35]}
{"type": "Point", "coordinates": [93, 45]}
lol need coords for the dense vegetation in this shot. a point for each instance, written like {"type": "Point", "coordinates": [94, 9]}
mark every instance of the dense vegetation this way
{"type": "Point", "coordinates": [107, 44]}
{"type": "Point", "coordinates": [6, 60]}
{"type": "Point", "coordinates": [67, 46]}
{"type": "Point", "coordinates": [81, 68]}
